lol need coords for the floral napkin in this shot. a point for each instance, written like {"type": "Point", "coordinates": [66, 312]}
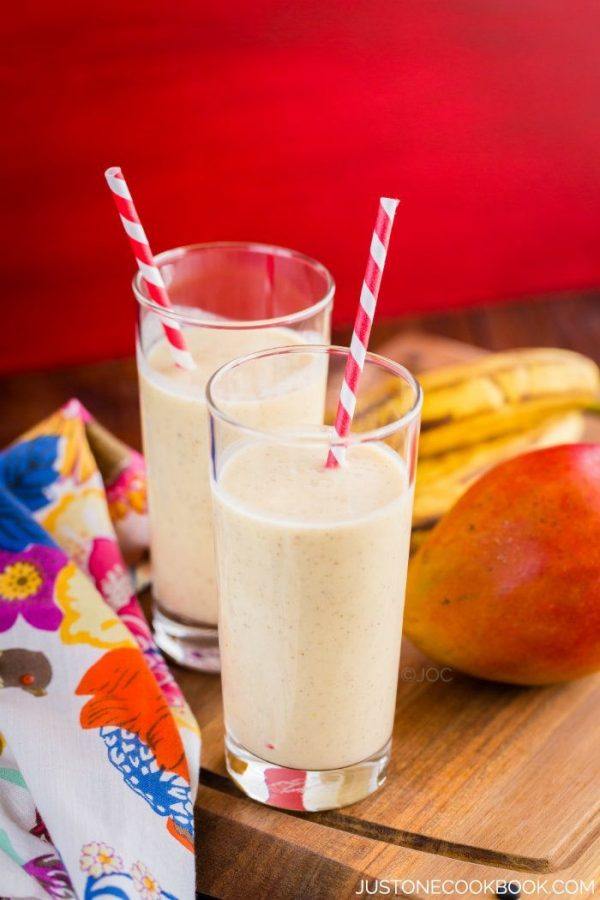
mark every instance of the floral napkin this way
{"type": "Point", "coordinates": [99, 753]}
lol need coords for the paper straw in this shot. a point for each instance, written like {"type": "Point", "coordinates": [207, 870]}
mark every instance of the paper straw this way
{"type": "Point", "coordinates": [362, 326]}
{"type": "Point", "coordinates": [148, 268]}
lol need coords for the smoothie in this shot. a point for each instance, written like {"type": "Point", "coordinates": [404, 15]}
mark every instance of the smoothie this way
{"type": "Point", "coordinates": [312, 575]}
{"type": "Point", "coordinates": [175, 427]}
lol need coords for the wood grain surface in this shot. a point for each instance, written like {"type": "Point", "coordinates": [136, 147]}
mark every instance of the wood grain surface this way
{"type": "Point", "coordinates": [246, 853]}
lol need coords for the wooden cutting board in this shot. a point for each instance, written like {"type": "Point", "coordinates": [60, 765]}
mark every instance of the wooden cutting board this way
{"type": "Point", "coordinates": [482, 776]}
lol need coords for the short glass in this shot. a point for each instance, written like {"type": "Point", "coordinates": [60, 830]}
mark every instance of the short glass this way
{"type": "Point", "coordinates": [228, 299]}
{"type": "Point", "coordinates": [312, 569]}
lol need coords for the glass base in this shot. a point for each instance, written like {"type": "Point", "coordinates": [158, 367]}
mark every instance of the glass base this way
{"type": "Point", "coordinates": [192, 646]}
{"type": "Point", "coordinates": [300, 789]}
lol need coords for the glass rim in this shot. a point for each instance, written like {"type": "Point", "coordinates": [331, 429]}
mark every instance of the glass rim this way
{"type": "Point", "coordinates": [176, 253]}
{"type": "Point", "coordinates": [282, 436]}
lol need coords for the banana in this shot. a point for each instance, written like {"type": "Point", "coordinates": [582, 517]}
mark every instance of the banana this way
{"type": "Point", "coordinates": [494, 395]}
{"type": "Point", "coordinates": [441, 480]}
{"type": "Point", "coordinates": [512, 419]}
{"type": "Point", "coordinates": [498, 379]}
{"type": "Point", "coordinates": [502, 394]}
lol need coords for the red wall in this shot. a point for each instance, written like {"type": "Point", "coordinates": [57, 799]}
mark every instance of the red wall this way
{"type": "Point", "coordinates": [281, 121]}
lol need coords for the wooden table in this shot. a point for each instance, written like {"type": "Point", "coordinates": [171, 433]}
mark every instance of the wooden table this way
{"type": "Point", "coordinates": [246, 850]}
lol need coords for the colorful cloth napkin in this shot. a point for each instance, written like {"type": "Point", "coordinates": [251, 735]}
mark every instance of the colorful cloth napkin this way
{"type": "Point", "coordinates": [99, 753]}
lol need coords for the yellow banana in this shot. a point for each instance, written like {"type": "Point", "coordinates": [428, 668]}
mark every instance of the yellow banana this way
{"type": "Point", "coordinates": [512, 419]}
{"type": "Point", "coordinates": [488, 383]}
{"type": "Point", "coordinates": [441, 480]}
{"type": "Point", "coordinates": [491, 396]}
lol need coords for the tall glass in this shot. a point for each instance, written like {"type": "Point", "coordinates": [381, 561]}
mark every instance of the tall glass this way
{"type": "Point", "coordinates": [312, 568]}
{"type": "Point", "coordinates": [228, 299]}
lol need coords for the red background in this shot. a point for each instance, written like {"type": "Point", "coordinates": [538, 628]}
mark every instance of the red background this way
{"type": "Point", "coordinates": [283, 122]}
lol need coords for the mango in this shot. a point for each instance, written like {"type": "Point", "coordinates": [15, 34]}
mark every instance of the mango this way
{"type": "Point", "coordinates": [507, 586]}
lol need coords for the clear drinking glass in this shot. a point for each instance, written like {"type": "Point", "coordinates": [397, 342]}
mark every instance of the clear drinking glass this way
{"type": "Point", "coordinates": [312, 569]}
{"type": "Point", "coordinates": [228, 299]}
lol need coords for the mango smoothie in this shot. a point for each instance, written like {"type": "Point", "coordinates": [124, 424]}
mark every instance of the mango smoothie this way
{"type": "Point", "coordinates": [312, 567]}
{"type": "Point", "coordinates": [175, 426]}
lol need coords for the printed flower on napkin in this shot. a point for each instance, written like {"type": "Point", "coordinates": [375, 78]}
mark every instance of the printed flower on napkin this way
{"type": "Point", "coordinates": [103, 804]}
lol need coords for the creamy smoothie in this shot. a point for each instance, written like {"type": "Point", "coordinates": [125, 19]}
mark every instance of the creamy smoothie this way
{"type": "Point", "coordinates": [176, 445]}
{"type": "Point", "coordinates": [312, 565]}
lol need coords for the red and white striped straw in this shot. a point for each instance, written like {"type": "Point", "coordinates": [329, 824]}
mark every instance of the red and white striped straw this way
{"type": "Point", "coordinates": [148, 268]}
{"type": "Point", "coordinates": [362, 325]}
